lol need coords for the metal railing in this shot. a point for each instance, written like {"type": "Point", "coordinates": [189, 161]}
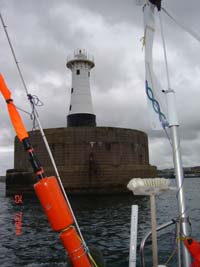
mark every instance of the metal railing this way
{"type": "Point", "coordinates": [80, 54]}
{"type": "Point", "coordinates": [148, 235]}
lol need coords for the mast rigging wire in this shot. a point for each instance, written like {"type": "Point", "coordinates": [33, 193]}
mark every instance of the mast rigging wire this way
{"type": "Point", "coordinates": [13, 53]}
{"type": "Point", "coordinates": [183, 26]}
{"type": "Point", "coordinates": [36, 117]}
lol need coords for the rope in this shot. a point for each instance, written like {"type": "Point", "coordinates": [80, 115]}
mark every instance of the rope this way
{"type": "Point", "coordinates": [177, 239]}
{"type": "Point", "coordinates": [156, 106]}
{"type": "Point", "coordinates": [34, 101]}
{"type": "Point", "coordinates": [26, 112]}
{"type": "Point", "coordinates": [92, 260]}
{"type": "Point", "coordinates": [87, 251]}
{"type": "Point", "coordinates": [171, 256]}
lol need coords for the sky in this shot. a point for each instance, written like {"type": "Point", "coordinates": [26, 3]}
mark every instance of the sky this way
{"type": "Point", "coordinates": [45, 33]}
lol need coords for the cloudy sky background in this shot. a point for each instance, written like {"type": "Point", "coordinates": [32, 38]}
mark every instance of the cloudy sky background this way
{"type": "Point", "coordinates": [44, 33]}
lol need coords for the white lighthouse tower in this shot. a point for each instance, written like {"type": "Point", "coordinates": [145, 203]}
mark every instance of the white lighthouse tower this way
{"type": "Point", "coordinates": [81, 109]}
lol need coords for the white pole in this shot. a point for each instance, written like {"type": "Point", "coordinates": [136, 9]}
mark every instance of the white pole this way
{"type": "Point", "coordinates": [173, 124]}
{"type": "Point", "coordinates": [133, 236]}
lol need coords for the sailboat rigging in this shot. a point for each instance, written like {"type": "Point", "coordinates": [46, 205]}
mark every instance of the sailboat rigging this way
{"type": "Point", "coordinates": [164, 117]}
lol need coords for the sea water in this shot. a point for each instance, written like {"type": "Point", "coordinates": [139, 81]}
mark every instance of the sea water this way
{"type": "Point", "coordinates": [26, 238]}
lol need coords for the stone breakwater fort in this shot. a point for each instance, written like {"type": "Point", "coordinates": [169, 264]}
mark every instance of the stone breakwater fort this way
{"type": "Point", "coordinates": [90, 159]}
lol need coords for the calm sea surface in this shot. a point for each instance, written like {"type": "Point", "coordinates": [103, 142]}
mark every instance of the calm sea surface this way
{"type": "Point", "coordinates": [27, 240]}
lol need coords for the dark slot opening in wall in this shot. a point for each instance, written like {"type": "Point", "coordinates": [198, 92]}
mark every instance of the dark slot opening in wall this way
{"type": "Point", "coordinates": [72, 90]}
{"type": "Point", "coordinates": [70, 108]}
{"type": "Point", "coordinates": [77, 72]}
{"type": "Point", "coordinates": [108, 146]}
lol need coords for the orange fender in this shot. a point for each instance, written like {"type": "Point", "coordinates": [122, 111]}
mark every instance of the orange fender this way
{"type": "Point", "coordinates": [194, 248]}
{"type": "Point", "coordinates": [53, 203]}
{"type": "Point", "coordinates": [75, 249]}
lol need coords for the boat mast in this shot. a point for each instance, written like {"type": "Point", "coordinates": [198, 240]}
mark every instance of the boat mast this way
{"type": "Point", "coordinates": [183, 215]}
{"type": "Point", "coordinates": [174, 130]}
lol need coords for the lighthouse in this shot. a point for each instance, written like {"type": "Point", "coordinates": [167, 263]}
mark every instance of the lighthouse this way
{"type": "Point", "coordinates": [90, 160]}
{"type": "Point", "coordinates": [80, 109]}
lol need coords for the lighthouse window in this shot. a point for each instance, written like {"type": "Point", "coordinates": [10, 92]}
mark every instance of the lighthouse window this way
{"type": "Point", "coordinates": [88, 74]}
{"type": "Point", "coordinates": [70, 108]}
{"type": "Point", "coordinates": [72, 90]}
{"type": "Point", "coordinates": [78, 72]}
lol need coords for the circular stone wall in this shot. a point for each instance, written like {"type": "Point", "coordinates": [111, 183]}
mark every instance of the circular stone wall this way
{"type": "Point", "coordinates": [91, 159]}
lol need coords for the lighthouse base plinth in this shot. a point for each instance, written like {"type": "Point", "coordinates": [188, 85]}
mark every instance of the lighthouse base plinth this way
{"type": "Point", "coordinates": [90, 160]}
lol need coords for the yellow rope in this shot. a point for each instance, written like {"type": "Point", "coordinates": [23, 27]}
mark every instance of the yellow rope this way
{"type": "Point", "coordinates": [89, 255]}
{"type": "Point", "coordinates": [181, 238]}
{"type": "Point", "coordinates": [170, 257]}
{"type": "Point", "coordinates": [92, 259]}
{"type": "Point", "coordinates": [178, 239]}
{"type": "Point", "coordinates": [67, 228]}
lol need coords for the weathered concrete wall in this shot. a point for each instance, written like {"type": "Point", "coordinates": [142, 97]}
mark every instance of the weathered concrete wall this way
{"type": "Point", "coordinates": [91, 159]}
